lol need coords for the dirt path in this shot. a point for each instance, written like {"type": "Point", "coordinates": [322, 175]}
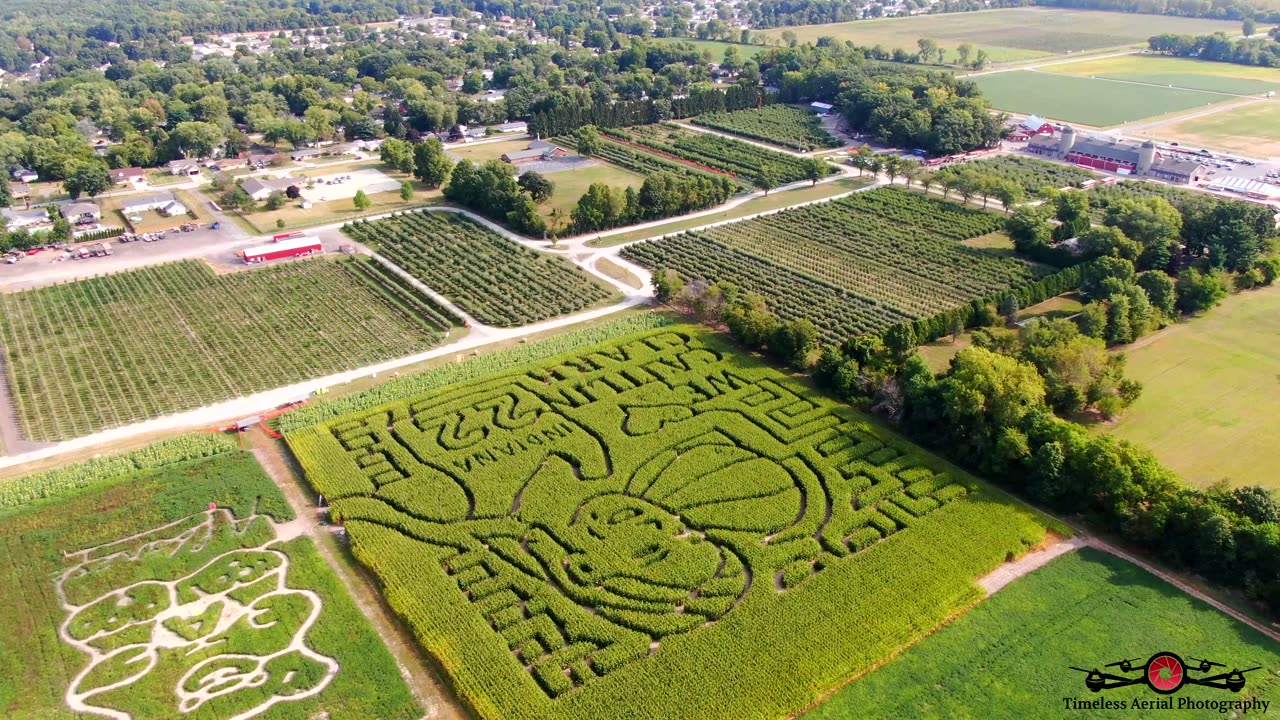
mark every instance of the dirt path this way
{"type": "Point", "coordinates": [1011, 571]}
{"type": "Point", "coordinates": [1187, 588]}
{"type": "Point", "coordinates": [416, 667]}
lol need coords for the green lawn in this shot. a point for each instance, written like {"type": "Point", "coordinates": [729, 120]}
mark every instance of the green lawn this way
{"type": "Point", "coordinates": [716, 47]}
{"type": "Point", "coordinates": [1179, 72]}
{"type": "Point", "coordinates": [1084, 100]}
{"type": "Point", "coordinates": [1012, 34]}
{"type": "Point", "coordinates": [1253, 128]}
{"type": "Point", "coordinates": [1011, 656]}
{"type": "Point", "coordinates": [938, 354]}
{"type": "Point", "coordinates": [1208, 407]}
{"type": "Point", "coordinates": [572, 184]}
{"type": "Point", "coordinates": [480, 153]}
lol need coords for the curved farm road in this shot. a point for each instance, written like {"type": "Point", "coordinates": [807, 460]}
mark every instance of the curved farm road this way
{"type": "Point", "coordinates": [416, 667]}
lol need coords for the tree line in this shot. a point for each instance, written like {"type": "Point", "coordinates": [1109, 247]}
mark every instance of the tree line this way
{"type": "Point", "coordinates": [1217, 47]}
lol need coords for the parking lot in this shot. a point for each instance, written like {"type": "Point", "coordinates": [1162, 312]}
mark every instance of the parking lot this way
{"type": "Point", "coordinates": [46, 266]}
{"type": "Point", "coordinates": [343, 186]}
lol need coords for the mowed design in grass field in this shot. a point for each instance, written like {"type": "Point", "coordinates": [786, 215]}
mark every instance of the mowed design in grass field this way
{"type": "Point", "coordinates": [1087, 101]}
{"type": "Point", "coordinates": [1179, 72]}
{"type": "Point", "coordinates": [1012, 34]}
{"type": "Point", "coordinates": [1252, 128]}
{"type": "Point", "coordinates": [1011, 656]}
{"type": "Point", "coordinates": [1208, 407]}
{"type": "Point", "coordinates": [207, 616]}
{"type": "Point", "coordinates": [125, 347]}
{"type": "Point", "coordinates": [628, 530]}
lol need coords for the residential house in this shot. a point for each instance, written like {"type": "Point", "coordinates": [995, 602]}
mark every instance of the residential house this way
{"type": "Point", "coordinates": [261, 188]}
{"type": "Point", "coordinates": [514, 127]}
{"type": "Point", "coordinates": [22, 174]}
{"type": "Point", "coordinates": [81, 213]}
{"type": "Point", "coordinates": [184, 166]}
{"type": "Point", "coordinates": [26, 219]}
{"type": "Point", "coordinates": [164, 203]}
{"type": "Point", "coordinates": [302, 154]}
{"type": "Point", "coordinates": [132, 176]}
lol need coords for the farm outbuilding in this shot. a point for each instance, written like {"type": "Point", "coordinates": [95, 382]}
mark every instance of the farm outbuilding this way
{"type": "Point", "coordinates": [821, 108]}
{"type": "Point", "coordinates": [1121, 157]}
{"type": "Point", "coordinates": [1255, 189]}
{"type": "Point", "coordinates": [536, 152]}
{"type": "Point", "coordinates": [290, 247]}
{"type": "Point", "coordinates": [1035, 125]}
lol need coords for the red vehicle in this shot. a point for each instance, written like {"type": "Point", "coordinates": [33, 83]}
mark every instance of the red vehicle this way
{"type": "Point", "coordinates": [287, 236]}
{"type": "Point", "coordinates": [292, 247]}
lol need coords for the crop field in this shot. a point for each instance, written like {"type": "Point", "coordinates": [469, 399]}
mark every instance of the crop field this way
{"type": "Point", "coordinates": [125, 347]}
{"type": "Point", "coordinates": [1252, 129]}
{"type": "Point", "coordinates": [176, 610]}
{"type": "Point", "coordinates": [777, 124]}
{"type": "Point", "coordinates": [635, 160]}
{"type": "Point", "coordinates": [1011, 656]}
{"type": "Point", "coordinates": [1204, 410]}
{"type": "Point", "coordinates": [627, 530]}
{"type": "Point", "coordinates": [737, 158]}
{"type": "Point", "coordinates": [1187, 73]}
{"type": "Point", "coordinates": [1032, 174]}
{"type": "Point", "coordinates": [495, 280]}
{"type": "Point", "coordinates": [1013, 34]}
{"type": "Point", "coordinates": [1087, 101]}
{"type": "Point", "coordinates": [855, 265]}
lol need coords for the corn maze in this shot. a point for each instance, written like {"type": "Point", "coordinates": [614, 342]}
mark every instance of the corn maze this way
{"type": "Point", "coordinates": [125, 347]}
{"type": "Point", "coordinates": [855, 265]}
{"type": "Point", "coordinates": [495, 280]}
{"type": "Point", "coordinates": [627, 531]}
{"type": "Point", "coordinates": [197, 611]}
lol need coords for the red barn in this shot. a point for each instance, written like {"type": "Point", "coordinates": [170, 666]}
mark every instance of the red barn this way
{"type": "Point", "coordinates": [291, 247]}
{"type": "Point", "coordinates": [1035, 125]}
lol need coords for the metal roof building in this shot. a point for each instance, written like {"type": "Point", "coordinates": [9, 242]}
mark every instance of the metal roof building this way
{"type": "Point", "coordinates": [1245, 186]}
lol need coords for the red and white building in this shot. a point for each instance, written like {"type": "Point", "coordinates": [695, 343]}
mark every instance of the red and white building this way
{"type": "Point", "coordinates": [288, 247]}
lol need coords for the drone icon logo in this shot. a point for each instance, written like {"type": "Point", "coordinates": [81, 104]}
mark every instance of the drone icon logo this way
{"type": "Point", "coordinates": [1165, 673]}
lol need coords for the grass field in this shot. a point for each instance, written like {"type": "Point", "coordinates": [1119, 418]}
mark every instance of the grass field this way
{"type": "Point", "coordinates": [1207, 408]}
{"type": "Point", "coordinates": [1087, 101]}
{"type": "Point", "coordinates": [627, 530]}
{"type": "Point", "coordinates": [573, 184]}
{"type": "Point", "coordinates": [1179, 72]}
{"type": "Point", "coordinates": [480, 153]}
{"type": "Point", "coordinates": [1253, 129]}
{"type": "Point", "coordinates": [1013, 34]}
{"type": "Point", "coordinates": [938, 354]}
{"type": "Point", "coordinates": [716, 47]}
{"type": "Point", "coordinates": [37, 667]}
{"type": "Point", "coordinates": [1010, 657]}
{"type": "Point", "coordinates": [125, 347]}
